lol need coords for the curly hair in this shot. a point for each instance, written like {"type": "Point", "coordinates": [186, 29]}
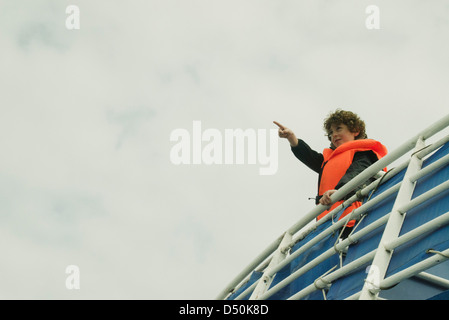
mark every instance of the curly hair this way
{"type": "Point", "coordinates": [348, 118]}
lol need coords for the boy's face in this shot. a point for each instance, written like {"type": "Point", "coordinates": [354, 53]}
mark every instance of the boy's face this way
{"type": "Point", "coordinates": [339, 134]}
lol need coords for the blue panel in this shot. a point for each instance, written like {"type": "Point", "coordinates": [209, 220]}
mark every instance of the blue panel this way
{"type": "Point", "coordinates": [418, 289]}
{"type": "Point", "coordinates": [442, 296]}
{"type": "Point", "coordinates": [310, 276]}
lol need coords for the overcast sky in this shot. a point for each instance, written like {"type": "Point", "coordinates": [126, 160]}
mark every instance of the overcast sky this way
{"type": "Point", "coordinates": [86, 116]}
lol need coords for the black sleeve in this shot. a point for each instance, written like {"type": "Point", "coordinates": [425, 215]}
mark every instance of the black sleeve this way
{"type": "Point", "coordinates": [361, 161]}
{"type": "Point", "coordinates": [309, 157]}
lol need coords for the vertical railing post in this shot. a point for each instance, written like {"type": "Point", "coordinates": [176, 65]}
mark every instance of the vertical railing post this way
{"type": "Point", "coordinates": [370, 290]}
{"type": "Point", "coordinates": [267, 278]}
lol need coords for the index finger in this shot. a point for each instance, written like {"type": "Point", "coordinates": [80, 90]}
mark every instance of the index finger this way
{"type": "Point", "coordinates": [279, 125]}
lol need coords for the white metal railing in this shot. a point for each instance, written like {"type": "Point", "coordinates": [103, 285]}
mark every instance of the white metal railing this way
{"type": "Point", "coordinates": [276, 256]}
{"type": "Point", "coordinates": [394, 223]}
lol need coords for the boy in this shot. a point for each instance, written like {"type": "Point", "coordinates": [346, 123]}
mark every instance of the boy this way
{"type": "Point", "coordinates": [349, 154]}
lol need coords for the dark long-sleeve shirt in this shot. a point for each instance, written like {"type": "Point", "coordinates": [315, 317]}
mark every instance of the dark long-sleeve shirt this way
{"type": "Point", "coordinates": [314, 160]}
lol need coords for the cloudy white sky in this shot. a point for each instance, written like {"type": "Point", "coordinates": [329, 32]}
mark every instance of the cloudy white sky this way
{"type": "Point", "coordinates": [86, 116]}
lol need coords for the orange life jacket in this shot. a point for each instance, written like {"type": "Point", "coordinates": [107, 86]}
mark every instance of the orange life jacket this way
{"type": "Point", "coordinates": [335, 164]}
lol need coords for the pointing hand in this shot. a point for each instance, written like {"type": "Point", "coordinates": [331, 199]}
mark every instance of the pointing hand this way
{"type": "Point", "coordinates": [287, 133]}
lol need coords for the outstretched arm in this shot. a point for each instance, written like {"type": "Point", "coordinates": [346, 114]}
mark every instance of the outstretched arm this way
{"type": "Point", "coordinates": [301, 150]}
